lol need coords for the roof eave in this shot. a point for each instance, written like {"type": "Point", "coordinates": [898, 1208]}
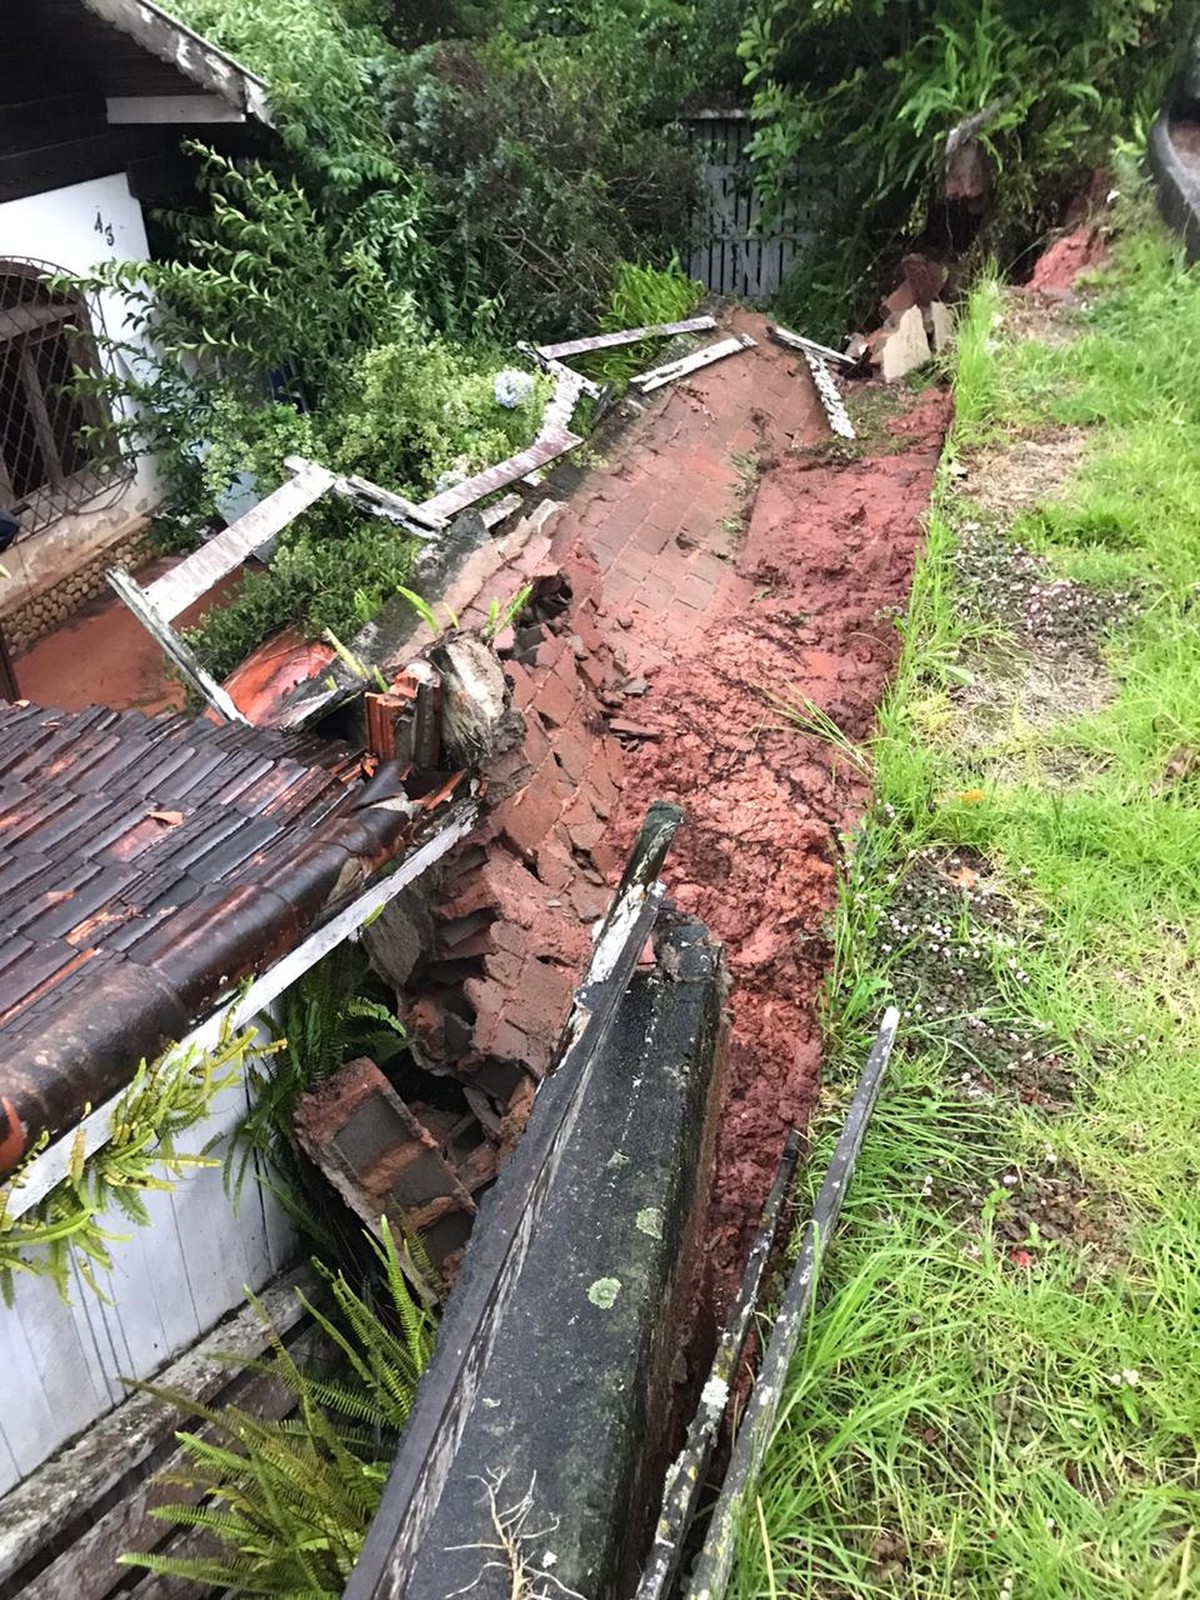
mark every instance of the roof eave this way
{"type": "Point", "coordinates": [197, 58]}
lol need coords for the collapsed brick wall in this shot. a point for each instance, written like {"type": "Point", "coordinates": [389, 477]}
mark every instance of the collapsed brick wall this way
{"type": "Point", "coordinates": [513, 919]}
{"type": "Point", "coordinates": [485, 955]}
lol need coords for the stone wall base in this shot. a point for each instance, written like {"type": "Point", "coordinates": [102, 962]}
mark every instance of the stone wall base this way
{"type": "Point", "coordinates": [31, 620]}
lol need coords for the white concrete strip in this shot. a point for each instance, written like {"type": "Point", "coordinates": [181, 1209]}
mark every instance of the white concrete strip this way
{"type": "Point", "coordinates": [645, 382]}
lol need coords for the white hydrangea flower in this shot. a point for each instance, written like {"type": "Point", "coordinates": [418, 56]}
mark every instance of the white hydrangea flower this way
{"type": "Point", "coordinates": [512, 388]}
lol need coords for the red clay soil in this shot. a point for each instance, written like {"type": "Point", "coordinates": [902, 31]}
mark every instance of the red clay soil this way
{"type": "Point", "coordinates": [1059, 266]}
{"type": "Point", "coordinates": [801, 606]}
{"type": "Point", "coordinates": [104, 657]}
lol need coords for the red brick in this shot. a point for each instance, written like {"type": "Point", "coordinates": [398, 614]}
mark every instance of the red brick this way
{"type": "Point", "coordinates": [510, 1044]}
{"type": "Point", "coordinates": [585, 836]}
{"type": "Point", "coordinates": [607, 766]}
{"type": "Point", "coordinates": [578, 812]}
{"type": "Point", "coordinates": [487, 999]}
{"type": "Point", "coordinates": [607, 556]}
{"type": "Point", "coordinates": [712, 468]}
{"type": "Point", "coordinates": [508, 936]}
{"type": "Point", "coordinates": [555, 868]}
{"type": "Point", "coordinates": [536, 745]}
{"type": "Point", "coordinates": [556, 697]}
{"type": "Point", "coordinates": [708, 565]}
{"type": "Point", "coordinates": [589, 900]}
{"type": "Point", "coordinates": [535, 556]}
{"type": "Point", "coordinates": [551, 651]}
{"type": "Point", "coordinates": [540, 1003]}
{"type": "Point", "coordinates": [524, 688]}
{"type": "Point", "coordinates": [653, 539]}
{"type": "Point", "coordinates": [607, 859]}
{"type": "Point", "coordinates": [503, 967]}
{"type": "Point", "coordinates": [637, 563]}
{"type": "Point", "coordinates": [658, 591]}
{"type": "Point", "coordinates": [573, 749]}
{"type": "Point", "coordinates": [619, 589]}
{"type": "Point", "coordinates": [529, 816]}
{"type": "Point", "coordinates": [584, 623]}
{"type": "Point", "coordinates": [696, 591]}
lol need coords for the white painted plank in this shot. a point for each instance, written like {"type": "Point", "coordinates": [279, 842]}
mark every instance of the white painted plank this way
{"type": "Point", "coordinates": [657, 376]}
{"type": "Point", "coordinates": [797, 341]}
{"type": "Point", "coordinates": [171, 1280]}
{"type": "Point", "coordinates": [170, 109]}
{"type": "Point", "coordinates": [95, 1463]}
{"type": "Point", "coordinates": [220, 1262]}
{"type": "Point", "coordinates": [543, 450]}
{"type": "Point", "coordinates": [9, 1471]}
{"type": "Point", "coordinates": [95, 1342]}
{"type": "Point", "coordinates": [181, 654]}
{"type": "Point", "coordinates": [38, 1416]}
{"type": "Point", "coordinates": [612, 341]}
{"type": "Point", "coordinates": [831, 399]}
{"type": "Point", "coordinates": [151, 1308]}
{"type": "Point", "coordinates": [176, 590]}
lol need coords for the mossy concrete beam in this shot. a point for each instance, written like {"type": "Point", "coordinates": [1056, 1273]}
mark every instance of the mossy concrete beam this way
{"type": "Point", "coordinates": [560, 1461]}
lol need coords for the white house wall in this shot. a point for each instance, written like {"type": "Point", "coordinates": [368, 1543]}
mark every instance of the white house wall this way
{"type": "Point", "coordinates": [76, 229]}
{"type": "Point", "coordinates": [62, 1363]}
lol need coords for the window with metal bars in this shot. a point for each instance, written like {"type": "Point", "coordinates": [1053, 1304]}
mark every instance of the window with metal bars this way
{"type": "Point", "coordinates": [57, 450]}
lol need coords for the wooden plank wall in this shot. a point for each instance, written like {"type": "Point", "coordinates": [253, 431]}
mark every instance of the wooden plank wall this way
{"type": "Point", "coordinates": [62, 1364]}
{"type": "Point", "coordinates": [728, 253]}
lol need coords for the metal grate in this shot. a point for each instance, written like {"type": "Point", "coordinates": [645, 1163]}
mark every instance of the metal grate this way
{"type": "Point", "coordinates": [58, 449]}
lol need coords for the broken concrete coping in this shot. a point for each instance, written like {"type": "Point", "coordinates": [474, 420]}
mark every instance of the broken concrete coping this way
{"type": "Point", "coordinates": [395, 629]}
{"type": "Point", "coordinates": [558, 1462]}
{"type": "Point", "coordinates": [1177, 179]}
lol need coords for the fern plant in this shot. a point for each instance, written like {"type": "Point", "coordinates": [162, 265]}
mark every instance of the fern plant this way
{"type": "Point", "coordinates": [288, 1502]}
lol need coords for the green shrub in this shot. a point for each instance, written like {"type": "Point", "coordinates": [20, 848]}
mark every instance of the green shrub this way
{"type": "Point", "coordinates": [640, 297]}
{"type": "Point", "coordinates": [875, 86]}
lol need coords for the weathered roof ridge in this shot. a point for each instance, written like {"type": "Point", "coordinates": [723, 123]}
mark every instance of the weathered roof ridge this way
{"type": "Point", "coordinates": [148, 864]}
{"type": "Point", "coordinates": [173, 42]}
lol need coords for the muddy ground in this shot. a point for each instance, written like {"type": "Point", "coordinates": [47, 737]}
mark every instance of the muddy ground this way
{"type": "Point", "coordinates": [825, 565]}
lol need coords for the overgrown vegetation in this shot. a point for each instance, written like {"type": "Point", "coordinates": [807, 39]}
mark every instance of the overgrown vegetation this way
{"type": "Point", "coordinates": [997, 1395]}
{"type": "Point", "coordinates": [1036, 93]}
{"type": "Point", "coordinates": [443, 184]}
{"type": "Point", "coordinates": [69, 1229]}
{"type": "Point", "coordinates": [286, 1504]}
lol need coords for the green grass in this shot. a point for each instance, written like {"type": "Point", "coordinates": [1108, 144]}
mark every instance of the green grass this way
{"type": "Point", "coordinates": [992, 1401]}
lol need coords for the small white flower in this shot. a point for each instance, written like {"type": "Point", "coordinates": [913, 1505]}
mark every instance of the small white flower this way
{"type": "Point", "coordinates": [512, 388]}
{"type": "Point", "coordinates": [1127, 1378]}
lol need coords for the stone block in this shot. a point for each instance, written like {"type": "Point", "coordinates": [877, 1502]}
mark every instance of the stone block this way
{"type": "Point", "coordinates": [907, 347]}
{"type": "Point", "coordinates": [941, 322]}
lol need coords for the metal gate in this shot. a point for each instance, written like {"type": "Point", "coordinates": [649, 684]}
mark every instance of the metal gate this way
{"type": "Point", "coordinates": [727, 252]}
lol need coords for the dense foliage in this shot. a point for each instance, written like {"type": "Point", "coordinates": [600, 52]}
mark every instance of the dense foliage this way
{"type": "Point", "coordinates": [352, 295]}
{"type": "Point", "coordinates": [878, 85]}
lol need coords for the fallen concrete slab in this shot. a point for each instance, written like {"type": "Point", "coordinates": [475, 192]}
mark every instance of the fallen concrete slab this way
{"type": "Point", "coordinates": [558, 1462]}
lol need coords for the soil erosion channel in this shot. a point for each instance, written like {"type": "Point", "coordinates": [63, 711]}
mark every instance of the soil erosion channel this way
{"type": "Point", "coordinates": [748, 558]}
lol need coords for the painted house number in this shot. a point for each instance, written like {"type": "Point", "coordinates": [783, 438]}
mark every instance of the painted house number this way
{"type": "Point", "coordinates": [104, 229]}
